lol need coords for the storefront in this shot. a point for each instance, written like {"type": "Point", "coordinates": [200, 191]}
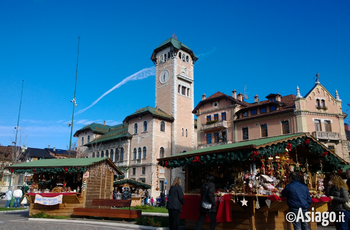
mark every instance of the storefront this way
{"type": "Point", "coordinates": [249, 178]}
{"type": "Point", "coordinates": [58, 186]}
{"type": "Point", "coordinates": [136, 188]}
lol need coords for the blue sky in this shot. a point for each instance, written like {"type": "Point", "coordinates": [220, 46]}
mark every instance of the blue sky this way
{"type": "Point", "coordinates": [265, 46]}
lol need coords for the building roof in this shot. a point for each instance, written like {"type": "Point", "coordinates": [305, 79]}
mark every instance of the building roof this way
{"type": "Point", "coordinates": [66, 162]}
{"type": "Point", "coordinates": [156, 112]}
{"type": "Point", "coordinates": [38, 153]}
{"type": "Point", "coordinates": [216, 96]}
{"type": "Point", "coordinates": [94, 127]}
{"type": "Point", "coordinates": [61, 152]}
{"type": "Point", "coordinates": [174, 44]}
{"type": "Point", "coordinates": [115, 132]}
{"type": "Point", "coordinates": [132, 182]}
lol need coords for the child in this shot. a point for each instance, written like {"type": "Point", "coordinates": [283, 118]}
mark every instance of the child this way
{"type": "Point", "coordinates": [152, 200]}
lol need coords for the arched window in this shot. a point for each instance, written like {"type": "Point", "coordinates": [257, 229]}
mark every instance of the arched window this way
{"type": "Point", "coordinates": [145, 126]}
{"type": "Point", "coordinates": [121, 154]}
{"type": "Point", "coordinates": [117, 155]}
{"type": "Point", "coordinates": [187, 59]}
{"type": "Point", "coordinates": [323, 103]}
{"type": "Point", "coordinates": [135, 128]}
{"type": "Point", "coordinates": [135, 152]}
{"type": "Point", "coordinates": [98, 154]}
{"type": "Point", "coordinates": [318, 105]}
{"type": "Point", "coordinates": [182, 132]}
{"type": "Point", "coordinates": [161, 153]}
{"type": "Point", "coordinates": [112, 155]}
{"type": "Point", "coordinates": [144, 152]}
{"type": "Point", "coordinates": [93, 154]}
{"type": "Point", "coordinates": [102, 154]}
{"type": "Point", "coordinates": [186, 132]}
{"type": "Point", "coordinates": [162, 126]}
{"type": "Point", "coordinates": [180, 55]}
{"type": "Point", "coordinates": [107, 153]}
{"type": "Point", "coordinates": [139, 153]}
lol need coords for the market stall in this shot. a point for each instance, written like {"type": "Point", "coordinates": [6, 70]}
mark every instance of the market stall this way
{"type": "Point", "coordinates": [136, 189]}
{"type": "Point", "coordinates": [58, 186]}
{"type": "Point", "coordinates": [249, 178]}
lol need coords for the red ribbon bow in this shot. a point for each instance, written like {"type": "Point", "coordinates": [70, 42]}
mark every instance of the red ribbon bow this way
{"type": "Point", "coordinates": [12, 170]}
{"type": "Point", "coordinates": [196, 158]}
{"type": "Point", "coordinates": [34, 170]}
{"type": "Point", "coordinates": [307, 141]}
{"type": "Point", "coordinates": [289, 147]}
{"type": "Point", "coordinates": [325, 153]}
{"type": "Point", "coordinates": [166, 163]}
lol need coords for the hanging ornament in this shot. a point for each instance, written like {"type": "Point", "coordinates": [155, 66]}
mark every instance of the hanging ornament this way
{"type": "Point", "coordinates": [244, 202]}
{"type": "Point", "coordinates": [257, 205]}
{"type": "Point", "coordinates": [268, 202]}
{"type": "Point", "coordinates": [263, 166]}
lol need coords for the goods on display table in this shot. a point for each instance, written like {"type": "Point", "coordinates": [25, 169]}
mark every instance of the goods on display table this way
{"type": "Point", "coordinates": [250, 176]}
{"type": "Point", "coordinates": [131, 189]}
{"type": "Point", "coordinates": [57, 186]}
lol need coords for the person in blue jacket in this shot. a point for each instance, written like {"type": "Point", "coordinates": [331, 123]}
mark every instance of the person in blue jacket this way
{"type": "Point", "coordinates": [298, 198]}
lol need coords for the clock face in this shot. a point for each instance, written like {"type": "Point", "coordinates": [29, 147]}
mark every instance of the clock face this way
{"type": "Point", "coordinates": [164, 76]}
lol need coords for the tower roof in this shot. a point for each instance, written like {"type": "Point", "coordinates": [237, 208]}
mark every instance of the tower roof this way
{"type": "Point", "coordinates": [174, 44]}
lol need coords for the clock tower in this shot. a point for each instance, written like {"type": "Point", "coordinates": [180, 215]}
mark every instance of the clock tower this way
{"type": "Point", "coordinates": [174, 84]}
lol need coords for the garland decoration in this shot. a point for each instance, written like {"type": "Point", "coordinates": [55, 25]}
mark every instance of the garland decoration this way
{"type": "Point", "coordinates": [57, 170]}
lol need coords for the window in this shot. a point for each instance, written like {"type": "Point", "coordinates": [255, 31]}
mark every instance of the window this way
{"type": "Point", "coordinates": [318, 125]}
{"type": "Point", "coordinates": [272, 108]}
{"type": "Point", "coordinates": [285, 127]}
{"type": "Point", "coordinates": [273, 99]}
{"type": "Point", "coordinates": [117, 155]}
{"type": "Point", "coordinates": [208, 118]}
{"type": "Point", "coordinates": [179, 89]}
{"type": "Point", "coordinates": [318, 104]}
{"type": "Point", "coordinates": [180, 55]}
{"type": "Point", "coordinates": [161, 185]}
{"type": "Point", "coordinates": [145, 126]}
{"type": "Point", "coordinates": [254, 112]}
{"type": "Point", "coordinates": [224, 138]}
{"type": "Point", "coordinates": [135, 152]}
{"type": "Point", "coordinates": [93, 154]}
{"type": "Point", "coordinates": [102, 154]}
{"type": "Point", "coordinates": [188, 92]}
{"type": "Point", "coordinates": [144, 152]}
{"type": "Point", "coordinates": [182, 131]}
{"type": "Point", "coordinates": [112, 155]}
{"type": "Point", "coordinates": [82, 140]}
{"type": "Point", "coordinates": [122, 154]}
{"type": "Point", "coordinates": [327, 126]}
{"type": "Point", "coordinates": [135, 128]}
{"type": "Point", "coordinates": [98, 154]}
{"type": "Point", "coordinates": [332, 148]}
{"type": "Point", "coordinates": [216, 137]}
{"type": "Point", "coordinates": [186, 132]}
{"type": "Point", "coordinates": [263, 110]}
{"type": "Point", "coordinates": [208, 138]}
{"type": "Point", "coordinates": [216, 117]}
{"type": "Point", "coordinates": [133, 171]}
{"type": "Point", "coordinates": [245, 113]}
{"type": "Point", "coordinates": [143, 172]}
{"type": "Point", "coordinates": [142, 180]}
{"type": "Point", "coordinates": [139, 157]}
{"type": "Point", "coordinates": [264, 131]}
{"type": "Point", "coordinates": [183, 90]}
{"type": "Point", "coordinates": [107, 153]}
{"type": "Point", "coordinates": [162, 126]}
{"type": "Point", "coordinates": [161, 152]}
{"type": "Point", "coordinates": [223, 116]}
{"type": "Point", "coordinates": [88, 139]}
{"type": "Point", "coordinates": [245, 133]}
{"type": "Point", "coordinates": [323, 104]}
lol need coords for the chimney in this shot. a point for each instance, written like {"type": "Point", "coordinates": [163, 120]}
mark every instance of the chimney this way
{"type": "Point", "coordinates": [240, 97]}
{"type": "Point", "coordinates": [204, 97]}
{"type": "Point", "coordinates": [104, 122]}
{"type": "Point", "coordinates": [234, 94]}
{"type": "Point", "coordinates": [346, 126]}
{"type": "Point", "coordinates": [278, 97]}
{"type": "Point", "coordinates": [256, 98]}
{"type": "Point", "coordinates": [49, 147]}
{"type": "Point", "coordinates": [54, 148]}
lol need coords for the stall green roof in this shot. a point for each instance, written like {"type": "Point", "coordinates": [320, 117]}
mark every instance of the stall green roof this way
{"type": "Point", "coordinates": [66, 162]}
{"type": "Point", "coordinates": [133, 182]}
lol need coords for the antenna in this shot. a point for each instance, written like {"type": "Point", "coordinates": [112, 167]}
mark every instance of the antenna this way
{"type": "Point", "coordinates": [244, 92]}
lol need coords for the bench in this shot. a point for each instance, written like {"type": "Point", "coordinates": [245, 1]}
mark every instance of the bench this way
{"type": "Point", "coordinates": [109, 212]}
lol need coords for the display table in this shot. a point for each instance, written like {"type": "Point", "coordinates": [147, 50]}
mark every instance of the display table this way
{"type": "Point", "coordinates": [232, 215]}
{"type": "Point", "coordinates": [69, 202]}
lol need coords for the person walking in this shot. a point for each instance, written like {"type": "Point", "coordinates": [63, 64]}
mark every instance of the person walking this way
{"type": "Point", "coordinates": [162, 199]}
{"type": "Point", "coordinates": [338, 192]}
{"type": "Point", "coordinates": [8, 197]}
{"type": "Point", "coordinates": [298, 198]}
{"type": "Point", "coordinates": [152, 201]}
{"type": "Point", "coordinates": [207, 195]}
{"type": "Point", "coordinates": [174, 205]}
{"type": "Point", "coordinates": [18, 195]}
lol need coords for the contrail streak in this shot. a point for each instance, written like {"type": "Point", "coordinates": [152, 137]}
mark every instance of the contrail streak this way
{"type": "Point", "coordinates": [207, 53]}
{"type": "Point", "coordinates": [136, 76]}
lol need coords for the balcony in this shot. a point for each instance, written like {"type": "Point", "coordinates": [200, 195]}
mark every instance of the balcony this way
{"type": "Point", "coordinates": [330, 136]}
{"type": "Point", "coordinates": [212, 144]}
{"type": "Point", "coordinates": [215, 126]}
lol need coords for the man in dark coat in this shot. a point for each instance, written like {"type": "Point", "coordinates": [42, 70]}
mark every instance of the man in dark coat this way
{"type": "Point", "coordinates": [207, 195]}
{"type": "Point", "coordinates": [162, 199]}
{"type": "Point", "coordinates": [298, 197]}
